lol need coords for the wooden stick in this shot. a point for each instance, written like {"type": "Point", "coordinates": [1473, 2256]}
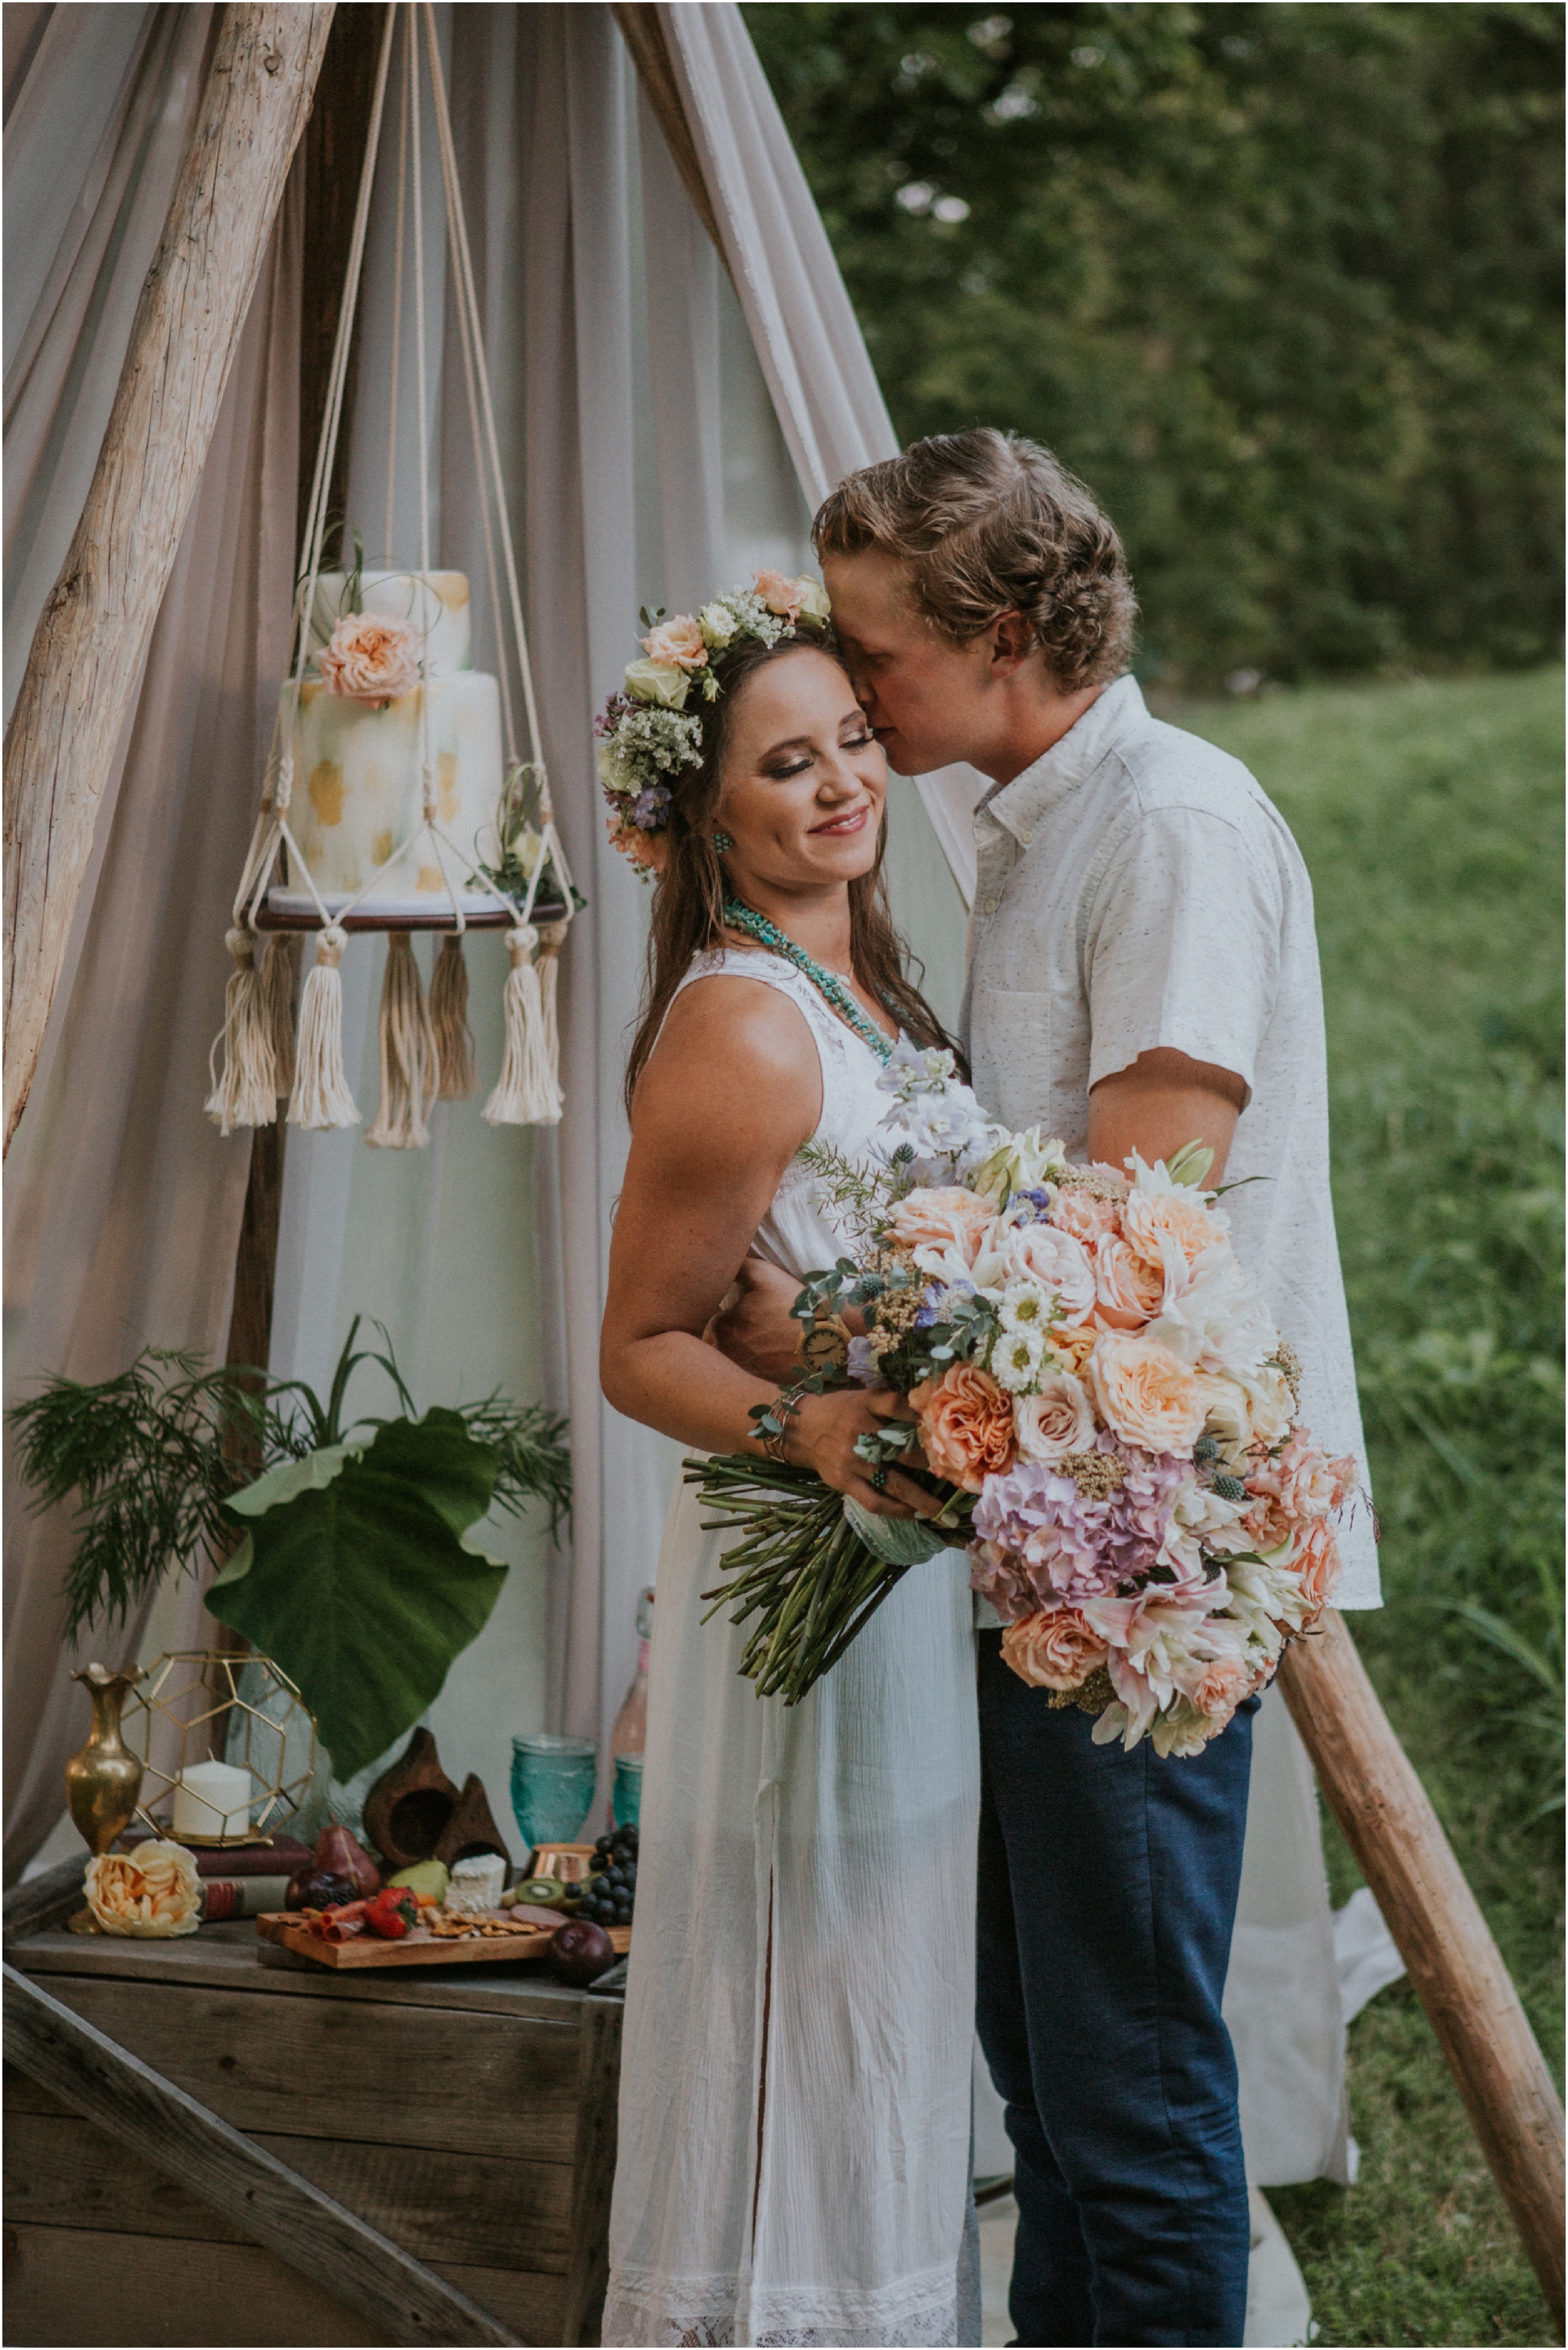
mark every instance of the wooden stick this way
{"type": "Point", "coordinates": [1452, 1961]}
{"type": "Point", "coordinates": [272, 2204]}
{"type": "Point", "coordinates": [90, 643]}
{"type": "Point", "coordinates": [644, 37]}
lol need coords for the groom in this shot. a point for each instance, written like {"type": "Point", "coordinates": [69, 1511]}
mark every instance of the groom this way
{"type": "Point", "coordinates": [1143, 972]}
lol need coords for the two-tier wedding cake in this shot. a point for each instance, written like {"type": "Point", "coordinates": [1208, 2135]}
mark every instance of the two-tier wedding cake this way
{"type": "Point", "coordinates": [359, 745]}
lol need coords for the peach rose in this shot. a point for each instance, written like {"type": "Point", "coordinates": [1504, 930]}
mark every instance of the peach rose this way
{"type": "Point", "coordinates": [1178, 1216]}
{"type": "Point", "coordinates": [1082, 1214]}
{"type": "Point", "coordinates": [946, 1218]}
{"type": "Point", "coordinates": [1219, 1689]}
{"type": "Point", "coordinates": [647, 850]}
{"type": "Point", "coordinates": [151, 1892]}
{"type": "Point", "coordinates": [1072, 1344]}
{"type": "Point", "coordinates": [1146, 1394]}
{"type": "Point", "coordinates": [1318, 1566]}
{"type": "Point", "coordinates": [368, 660]}
{"type": "Point", "coordinates": [1059, 1419]}
{"type": "Point", "coordinates": [1055, 1649]}
{"type": "Point", "coordinates": [1300, 1481]}
{"type": "Point", "coordinates": [779, 595]}
{"type": "Point", "coordinates": [1344, 1473]}
{"type": "Point", "coordinates": [1129, 1290]}
{"type": "Point", "coordinates": [677, 643]}
{"type": "Point", "coordinates": [966, 1425]}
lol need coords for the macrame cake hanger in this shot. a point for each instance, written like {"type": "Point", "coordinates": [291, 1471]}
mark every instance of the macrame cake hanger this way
{"type": "Point", "coordinates": [425, 1054]}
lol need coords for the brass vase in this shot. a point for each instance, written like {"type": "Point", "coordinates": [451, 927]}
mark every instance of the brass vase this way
{"type": "Point", "coordinates": [104, 1780]}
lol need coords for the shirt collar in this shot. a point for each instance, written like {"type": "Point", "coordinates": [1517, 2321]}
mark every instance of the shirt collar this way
{"type": "Point", "coordinates": [1019, 805]}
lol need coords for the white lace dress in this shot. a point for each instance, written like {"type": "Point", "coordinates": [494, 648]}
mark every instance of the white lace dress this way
{"type": "Point", "coordinates": [794, 2099]}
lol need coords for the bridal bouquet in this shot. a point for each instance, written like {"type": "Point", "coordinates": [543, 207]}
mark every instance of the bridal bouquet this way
{"type": "Point", "coordinates": [1104, 1410]}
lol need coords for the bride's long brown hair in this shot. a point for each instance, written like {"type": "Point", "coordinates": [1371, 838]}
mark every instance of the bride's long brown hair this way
{"type": "Point", "coordinates": [688, 893]}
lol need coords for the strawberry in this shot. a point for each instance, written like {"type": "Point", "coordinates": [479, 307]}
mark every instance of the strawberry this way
{"type": "Point", "coordinates": [391, 1912]}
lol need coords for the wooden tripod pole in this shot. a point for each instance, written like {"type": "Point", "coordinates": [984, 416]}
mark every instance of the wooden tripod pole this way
{"type": "Point", "coordinates": [92, 638]}
{"type": "Point", "coordinates": [1452, 1961]}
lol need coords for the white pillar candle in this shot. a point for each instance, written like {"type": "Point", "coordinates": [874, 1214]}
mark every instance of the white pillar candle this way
{"type": "Point", "coordinates": [212, 1799]}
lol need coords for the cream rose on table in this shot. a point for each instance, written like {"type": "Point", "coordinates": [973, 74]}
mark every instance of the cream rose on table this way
{"type": "Point", "coordinates": [367, 658]}
{"type": "Point", "coordinates": [152, 1892]}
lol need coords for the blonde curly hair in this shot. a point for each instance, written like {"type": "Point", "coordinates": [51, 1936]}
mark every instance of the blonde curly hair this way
{"type": "Point", "coordinates": [989, 523]}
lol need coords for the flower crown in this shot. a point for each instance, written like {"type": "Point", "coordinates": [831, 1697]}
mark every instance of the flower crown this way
{"type": "Point", "coordinates": [647, 736]}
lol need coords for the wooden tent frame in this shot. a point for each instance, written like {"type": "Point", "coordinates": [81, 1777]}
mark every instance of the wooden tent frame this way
{"type": "Point", "coordinates": [85, 659]}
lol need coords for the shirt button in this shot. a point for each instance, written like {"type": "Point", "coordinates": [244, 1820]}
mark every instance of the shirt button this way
{"type": "Point", "coordinates": [1027, 835]}
{"type": "Point", "coordinates": [989, 907]}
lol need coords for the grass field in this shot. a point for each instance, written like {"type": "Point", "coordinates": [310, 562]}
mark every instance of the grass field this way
{"type": "Point", "coordinates": [1430, 815]}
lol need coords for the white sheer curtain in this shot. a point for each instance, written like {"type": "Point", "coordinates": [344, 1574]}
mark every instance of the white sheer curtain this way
{"type": "Point", "coordinates": [122, 1206]}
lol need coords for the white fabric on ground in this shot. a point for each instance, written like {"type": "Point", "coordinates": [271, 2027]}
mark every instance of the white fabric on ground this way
{"type": "Point", "coordinates": [805, 1924]}
{"type": "Point", "coordinates": [1365, 1953]}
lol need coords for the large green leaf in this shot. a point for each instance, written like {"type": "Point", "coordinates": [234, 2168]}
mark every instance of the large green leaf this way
{"type": "Point", "coordinates": [356, 1576]}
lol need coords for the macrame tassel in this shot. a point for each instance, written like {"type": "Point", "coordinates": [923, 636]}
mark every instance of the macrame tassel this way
{"type": "Point", "coordinates": [527, 1094]}
{"type": "Point", "coordinates": [277, 974]}
{"type": "Point", "coordinates": [245, 1094]}
{"type": "Point", "coordinates": [553, 938]}
{"type": "Point", "coordinates": [321, 1096]}
{"type": "Point", "coordinates": [411, 1070]}
{"type": "Point", "coordinates": [449, 1018]}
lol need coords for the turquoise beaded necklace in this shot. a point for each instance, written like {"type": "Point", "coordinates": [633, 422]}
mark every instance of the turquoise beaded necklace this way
{"type": "Point", "coordinates": [827, 983]}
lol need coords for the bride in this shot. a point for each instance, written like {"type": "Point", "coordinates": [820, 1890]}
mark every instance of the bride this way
{"type": "Point", "coordinates": [794, 2103]}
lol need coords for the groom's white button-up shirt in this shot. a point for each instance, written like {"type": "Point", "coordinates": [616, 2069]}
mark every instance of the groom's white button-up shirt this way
{"type": "Point", "coordinates": [1135, 888]}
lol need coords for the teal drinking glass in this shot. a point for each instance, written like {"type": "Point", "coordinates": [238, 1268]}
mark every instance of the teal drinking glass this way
{"type": "Point", "coordinates": [552, 1786]}
{"type": "Point", "coordinates": [627, 1801]}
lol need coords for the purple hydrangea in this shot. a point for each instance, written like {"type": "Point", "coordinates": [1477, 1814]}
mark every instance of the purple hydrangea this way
{"type": "Point", "coordinates": [862, 1363]}
{"type": "Point", "coordinates": [1138, 1517]}
{"type": "Point", "coordinates": [1040, 1535]}
{"type": "Point", "coordinates": [1057, 1538]}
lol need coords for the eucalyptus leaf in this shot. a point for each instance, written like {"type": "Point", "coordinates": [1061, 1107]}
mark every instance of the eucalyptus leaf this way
{"type": "Point", "coordinates": [358, 1577]}
{"type": "Point", "coordinates": [900, 1542]}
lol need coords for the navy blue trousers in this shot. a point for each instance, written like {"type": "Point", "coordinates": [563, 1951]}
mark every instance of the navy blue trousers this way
{"type": "Point", "coordinates": [1107, 1894]}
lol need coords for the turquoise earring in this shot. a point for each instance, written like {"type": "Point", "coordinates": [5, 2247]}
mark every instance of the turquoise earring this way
{"type": "Point", "coordinates": [721, 842]}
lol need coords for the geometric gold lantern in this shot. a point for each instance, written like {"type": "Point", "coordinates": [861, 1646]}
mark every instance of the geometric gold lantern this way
{"type": "Point", "coordinates": [197, 1705]}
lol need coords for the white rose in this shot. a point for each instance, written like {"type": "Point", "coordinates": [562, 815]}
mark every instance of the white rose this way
{"type": "Point", "coordinates": [1057, 1261]}
{"type": "Point", "coordinates": [813, 598]}
{"type": "Point", "coordinates": [1059, 1419]}
{"type": "Point", "coordinates": [661, 682]}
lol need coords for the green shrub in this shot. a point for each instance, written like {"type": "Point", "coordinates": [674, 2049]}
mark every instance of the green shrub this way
{"type": "Point", "coordinates": [1281, 282]}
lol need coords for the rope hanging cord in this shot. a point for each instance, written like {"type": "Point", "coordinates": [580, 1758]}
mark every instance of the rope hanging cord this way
{"type": "Point", "coordinates": [256, 1053]}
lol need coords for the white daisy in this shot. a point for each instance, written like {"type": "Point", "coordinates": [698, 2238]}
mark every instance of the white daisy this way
{"type": "Point", "coordinates": [1016, 1359]}
{"type": "Point", "coordinates": [1024, 1306]}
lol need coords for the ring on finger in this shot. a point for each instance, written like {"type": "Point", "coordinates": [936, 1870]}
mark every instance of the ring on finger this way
{"type": "Point", "coordinates": [878, 1480]}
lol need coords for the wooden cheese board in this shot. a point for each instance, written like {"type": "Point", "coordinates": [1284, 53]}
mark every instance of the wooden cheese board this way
{"type": "Point", "coordinates": [418, 1947]}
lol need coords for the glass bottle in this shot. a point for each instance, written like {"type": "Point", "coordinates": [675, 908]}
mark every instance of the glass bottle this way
{"type": "Point", "coordinates": [629, 1735]}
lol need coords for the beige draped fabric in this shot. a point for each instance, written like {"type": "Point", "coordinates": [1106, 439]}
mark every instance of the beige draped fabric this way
{"type": "Point", "coordinates": [123, 1205]}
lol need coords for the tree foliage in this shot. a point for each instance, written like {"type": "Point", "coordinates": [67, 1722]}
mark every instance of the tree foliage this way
{"type": "Point", "coordinates": [1281, 282]}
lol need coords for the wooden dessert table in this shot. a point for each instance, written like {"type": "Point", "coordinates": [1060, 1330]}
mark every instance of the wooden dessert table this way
{"type": "Point", "coordinates": [284, 2155]}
